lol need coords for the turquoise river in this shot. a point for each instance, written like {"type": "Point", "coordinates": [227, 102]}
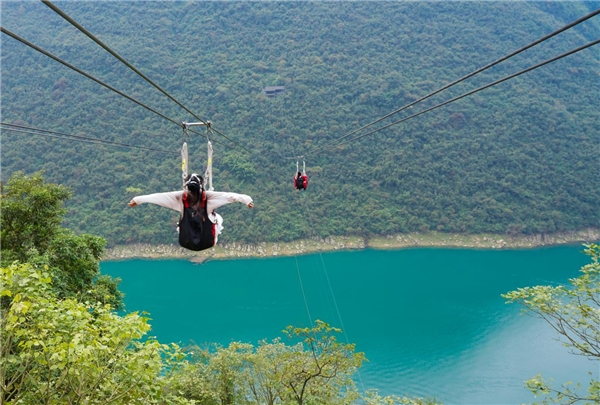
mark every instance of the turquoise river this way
{"type": "Point", "coordinates": [431, 321]}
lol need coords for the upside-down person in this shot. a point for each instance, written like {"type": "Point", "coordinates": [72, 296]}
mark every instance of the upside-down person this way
{"type": "Point", "coordinates": [301, 181]}
{"type": "Point", "coordinates": [199, 224]}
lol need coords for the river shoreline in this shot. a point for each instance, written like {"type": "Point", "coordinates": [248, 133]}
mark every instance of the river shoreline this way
{"type": "Point", "coordinates": [307, 246]}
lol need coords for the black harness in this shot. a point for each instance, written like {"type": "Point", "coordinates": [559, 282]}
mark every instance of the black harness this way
{"type": "Point", "coordinates": [196, 231]}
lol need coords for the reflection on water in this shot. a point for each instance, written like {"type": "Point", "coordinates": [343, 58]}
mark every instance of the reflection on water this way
{"type": "Point", "coordinates": [430, 321]}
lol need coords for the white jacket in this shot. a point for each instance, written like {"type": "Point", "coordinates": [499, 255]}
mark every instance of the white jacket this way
{"type": "Point", "coordinates": [214, 200]}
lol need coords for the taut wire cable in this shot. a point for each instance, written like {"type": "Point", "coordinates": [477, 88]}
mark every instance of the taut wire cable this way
{"type": "Point", "coordinates": [502, 59]}
{"type": "Point", "coordinates": [337, 309]}
{"type": "Point", "coordinates": [303, 293]}
{"type": "Point", "coordinates": [468, 93]}
{"type": "Point", "coordinates": [116, 55]}
{"type": "Point", "coordinates": [484, 87]}
{"type": "Point", "coordinates": [130, 66]}
{"type": "Point", "coordinates": [48, 54]}
{"type": "Point", "coordinates": [62, 135]}
{"type": "Point", "coordinates": [100, 82]}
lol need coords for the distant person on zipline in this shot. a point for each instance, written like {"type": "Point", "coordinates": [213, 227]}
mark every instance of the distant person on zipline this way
{"type": "Point", "coordinates": [301, 181]}
{"type": "Point", "coordinates": [199, 224]}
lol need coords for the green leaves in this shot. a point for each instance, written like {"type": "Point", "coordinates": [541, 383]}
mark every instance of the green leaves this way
{"type": "Point", "coordinates": [61, 340]}
{"type": "Point", "coordinates": [574, 313]}
{"type": "Point", "coordinates": [33, 234]}
{"type": "Point", "coordinates": [316, 370]}
{"type": "Point", "coordinates": [63, 351]}
{"type": "Point", "coordinates": [324, 367]}
{"type": "Point", "coordinates": [372, 397]}
{"type": "Point", "coordinates": [31, 213]}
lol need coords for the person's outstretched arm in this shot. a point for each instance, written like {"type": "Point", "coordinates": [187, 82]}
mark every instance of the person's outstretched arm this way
{"type": "Point", "coordinates": [216, 199]}
{"type": "Point", "coordinates": [172, 199]}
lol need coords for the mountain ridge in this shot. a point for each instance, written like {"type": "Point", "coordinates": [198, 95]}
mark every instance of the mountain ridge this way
{"type": "Point", "coordinates": [516, 159]}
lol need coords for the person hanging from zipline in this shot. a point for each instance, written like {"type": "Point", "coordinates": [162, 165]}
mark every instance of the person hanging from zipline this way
{"type": "Point", "coordinates": [301, 179]}
{"type": "Point", "coordinates": [199, 224]}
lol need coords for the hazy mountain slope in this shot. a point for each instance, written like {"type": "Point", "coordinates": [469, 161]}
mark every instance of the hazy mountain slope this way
{"type": "Point", "coordinates": [521, 157]}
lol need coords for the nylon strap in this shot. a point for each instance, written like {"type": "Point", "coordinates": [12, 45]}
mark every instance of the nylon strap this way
{"type": "Point", "coordinates": [184, 162]}
{"type": "Point", "coordinates": [208, 172]}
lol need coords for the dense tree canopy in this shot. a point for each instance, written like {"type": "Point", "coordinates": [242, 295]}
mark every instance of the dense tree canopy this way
{"type": "Point", "coordinates": [31, 214]}
{"type": "Point", "coordinates": [313, 369]}
{"type": "Point", "coordinates": [518, 158]}
{"type": "Point", "coordinates": [61, 351]}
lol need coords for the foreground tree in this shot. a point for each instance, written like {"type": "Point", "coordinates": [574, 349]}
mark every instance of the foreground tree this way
{"type": "Point", "coordinates": [60, 351]}
{"type": "Point", "coordinates": [263, 377]}
{"type": "Point", "coordinates": [315, 370]}
{"type": "Point", "coordinates": [574, 313]}
{"type": "Point", "coordinates": [31, 213]}
{"type": "Point", "coordinates": [372, 397]}
{"type": "Point", "coordinates": [320, 367]}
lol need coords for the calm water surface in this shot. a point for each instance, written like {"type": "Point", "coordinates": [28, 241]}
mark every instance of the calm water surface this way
{"type": "Point", "coordinates": [430, 321]}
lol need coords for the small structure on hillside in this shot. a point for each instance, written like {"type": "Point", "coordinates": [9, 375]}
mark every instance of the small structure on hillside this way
{"type": "Point", "coordinates": [272, 91]}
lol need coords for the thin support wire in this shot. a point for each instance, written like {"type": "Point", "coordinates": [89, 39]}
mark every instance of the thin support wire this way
{"type": "Point", "coordinates": [337, 309]}
{"type": "Point", "coordinates": [303, 293]}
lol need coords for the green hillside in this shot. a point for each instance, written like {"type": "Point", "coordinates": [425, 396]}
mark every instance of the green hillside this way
{"type": "Point", "coordinates": [518, 158]}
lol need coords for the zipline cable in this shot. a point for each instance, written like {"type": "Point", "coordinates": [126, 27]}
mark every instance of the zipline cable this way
{"type": "Point", "coordinates": [502, 59]}
{"type": "Point", "coordinates": [108, 86]}
{"type": "Point", "coordinates": [467, 94]}
{"type": "Point", "coordinates": [130, 66]}
{"type": "Point", "coordinates": [48, 54]}
{"type": "Point", "coordinates": [113, 53]}
{"type": "Point", "coordinates": [62, 135]}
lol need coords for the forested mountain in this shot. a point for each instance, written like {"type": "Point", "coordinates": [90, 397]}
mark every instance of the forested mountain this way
{"type": "Point", "coordinates": [519, 157]}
